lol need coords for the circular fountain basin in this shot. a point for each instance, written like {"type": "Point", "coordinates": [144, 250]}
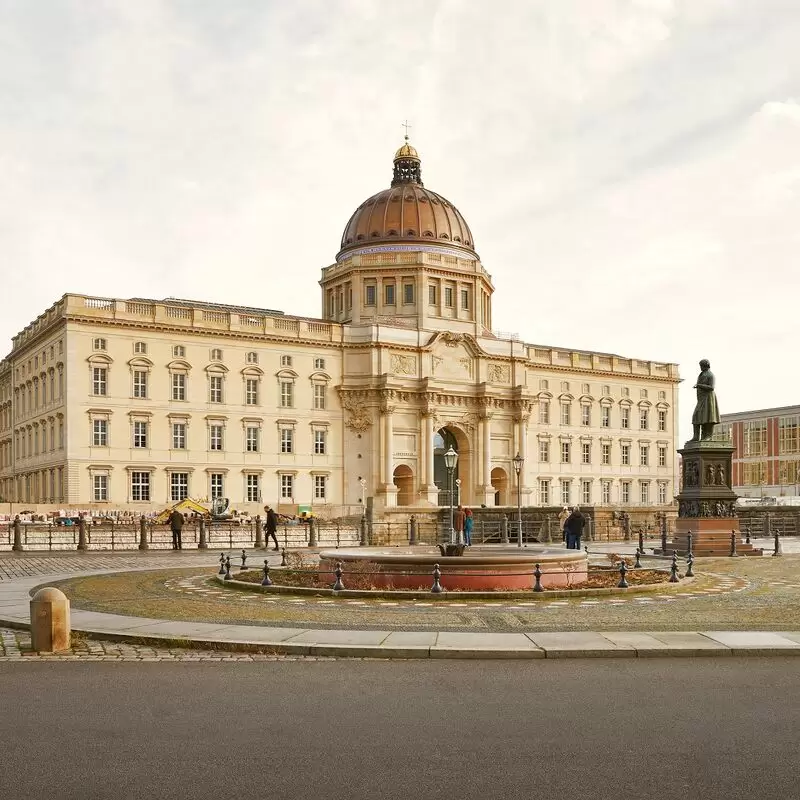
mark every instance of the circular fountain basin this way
{"type": "Point", "coordinates": [483, 569]}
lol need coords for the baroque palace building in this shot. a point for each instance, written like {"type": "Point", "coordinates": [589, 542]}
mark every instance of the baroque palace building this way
{"type": "Point", "coordinates": [134, 404]}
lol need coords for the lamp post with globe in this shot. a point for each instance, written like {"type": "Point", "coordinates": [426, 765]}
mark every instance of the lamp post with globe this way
{"type": "Point", "coordinates": [450, 461]}
{"type": "Point", "coordinates": [518, 462]}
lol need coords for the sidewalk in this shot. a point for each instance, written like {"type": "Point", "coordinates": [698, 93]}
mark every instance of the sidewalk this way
{"type": "Point", "coordinates": [171, 634]}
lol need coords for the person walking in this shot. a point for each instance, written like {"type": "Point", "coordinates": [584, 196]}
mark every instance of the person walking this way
{"type": "Point", "coordinates": [574, 527]}
{"type": "Point", "coordinates": [272, 525]}
{"type": "Point", "coordinates": [468, 522]}
{"type": "Point", "coordinates": [458, 524]}
{"type": "Point", "coordinates": [176, 524]}
{"type": "Point", "coordinates": [562, 519]}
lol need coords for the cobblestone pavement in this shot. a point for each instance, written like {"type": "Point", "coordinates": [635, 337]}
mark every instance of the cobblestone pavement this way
{"type": "Point", "coordinates": [15, 645]}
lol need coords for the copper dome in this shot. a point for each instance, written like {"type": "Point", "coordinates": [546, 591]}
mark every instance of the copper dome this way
{"type": "Point", "coordinates": [406, 213]}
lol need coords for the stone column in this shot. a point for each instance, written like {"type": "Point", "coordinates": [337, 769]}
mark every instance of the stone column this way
{"type": "Point", "coordinates": [522, 449]}
{"type": "Point", "coordinates": [390, 490]}
{"type": "Point", "coordinates": [487, 489]}
{"type": "Point", "coordinates": [429, 492]}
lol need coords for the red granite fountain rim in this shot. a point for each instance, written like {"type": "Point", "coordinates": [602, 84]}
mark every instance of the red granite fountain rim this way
{"type": "Point", "coordinates": [430, 556]}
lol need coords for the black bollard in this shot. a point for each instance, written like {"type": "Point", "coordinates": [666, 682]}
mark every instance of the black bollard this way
{"type": "Point", "coordinates": [537, 573]}
{"type": "Point", "coordinates": [244, 562]}
{"type": "Point", "coordinates": [637, 564]}
{"type": "Point", "coordinates": [228, 576]}
{"type": "Point", "coordinates": [641, 541]}
{"type": "Point", "coordinates": [623, 568]}
{"type": "Point", "coordinates": [412, 530]}
{"type": "Point", "coordinates": [267, 580]}
{"type": "Point", "coordinates": [17, 546]}
{"type": "Point", "coordinates": [777, 545]}
{"type": "Point", "coordinates": [283, 557]}
{"type": "Point", "coordinates": [221, 564]}
{"type": "Point", "coordinates": [689, 565]}
{"type": "Point", "coordinates": [437, 586]}
{"type": "Point", "coordinates": [338, 586]}
{"type": "Point", "coordinates": [363, 540]}
{"type": "Point", "coordinates": [747, 536]}
{"type": "Point", "coordinates": [733, 544]}
{"type": "Point", "coordinates": [663, 540]}
{"type": "Point", "coordinates": [689, 545]}
{"type": "Point", "coordinates": [259, 534]}
{"type": "Point", "coordinates": [673, 570]}
{"type": "Point", "coordinates": [143, 533]}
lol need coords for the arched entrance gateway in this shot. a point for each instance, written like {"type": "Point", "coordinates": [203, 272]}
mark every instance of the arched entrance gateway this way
{"type": "Point", "coordinates": [404, 481]}
{"type": "Point", "coordinates": [500, 484]}
{"type": "Point", "coordinates": [443, 440]}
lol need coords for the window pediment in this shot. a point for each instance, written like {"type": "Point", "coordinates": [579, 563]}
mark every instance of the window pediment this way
{"type": "Point", "coordinates": [319, 376]}
{"type": "Point", "coordinates": [179, 365]}
{"type": "Point", "coordinates": [100, 358]}
{"type": "Point", "coordinates": [662, 405]}
{"type": "Point", "coordinates": [216, 368]}
{"type": "Point", "coordinates": [140, 361]}
{"type": "Point", "coordinates": [252, 371]}
{"type": "Point", "coordinates": [586, 400]}
{"type": "Point", "coordinates": [625, 402]}
{"type": "Point", "coordinates": [566, 397]}
{"type": "Point", "coordinates": [544, 396]}
{"type": "Point", "coordinates": [287, 374]}
{"type": "Point", "coordinates": [644, 404]}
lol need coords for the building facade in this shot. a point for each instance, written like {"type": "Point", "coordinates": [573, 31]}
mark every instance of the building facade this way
{"type": "Point", "coordinates": [766, 462]}
{"type": "Point", "coordinates": [135, 404]}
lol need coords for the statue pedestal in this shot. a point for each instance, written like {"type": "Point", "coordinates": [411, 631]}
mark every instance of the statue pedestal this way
{"type": "Point", "coordinates": [707, 503]}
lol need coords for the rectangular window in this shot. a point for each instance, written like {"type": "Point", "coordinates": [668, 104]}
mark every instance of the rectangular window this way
{"type": "Point", "coordinates": [606, 491]}
{"type": "Point", "coordinates": [251, 439]}
{"type": "Point", "coordinates": [544, 451]}
{"type": "Point", "coordinates": [253, 488]}
{"type": "Point", "coordinates": [662, 420]}
{"type": "Point", "coordinates": [140, 486]}
{"type": "Point", "coordinates": [625, 492]}
{"type": "Point", "coordinates": [287, 440]}
{"type": "Point", "coordinates": [586, 416]}
{"type": "Point", "coordinates": [140, 434]}
{"type": "Point", "coordinates": [586, 492]}
{"type": "Point", "coordinates": [388, 294]}
{"type": "Point", "coordinates": [61, 434]}
{"type": "Point", "coordinates": [465, 299]}
{"type": "Point", "coordinates": [408, 293]}
{"type": "Point", "coordinates": [100, 488]}
{"type": "Point", "coordinates": [99, 381]}
{"type": "Point", "coordinates": [140, 383]}
{"type": "Point", "coordinates": [755, 437]}
{"type": "Point", "coordinates": [140, 348]}
{"type": "Point", "coordinates": [320, 393]}
{"type": "Point", "coordinates": [605, 416]}
{"type": "Point", "coordinates": [217, 485]}
{"type": "Point", "coordinates": [320, 443]}
{"type": "Point", "coordinates": [605, 450]}
{"type": "Point", "coordinates": [100, 433]}
{"type": "Point", "coordinates": [586, 453]}
{"type": "Point", "coordinates": [52, 386]}
{"type": "Point", "coordinates": [544, 492]}
{"type": "Point", "coordinates": [287, 394]}
{"type": "Point", "coordinates": [448, 296]}
{"type": "Point", "coordinates": [662, 494]}
{"type": "Point", "coordinates": [544, 412]}
{"type": "Point", "coordinates": [215, 389]}
{"type": "Point", "coordinates": [565, 413]}
{"type": "Point", "coordinates": [178, 435]}
{"type": "Point", "coordinates": [287, 487]}
{"type": "Point", "coordinates": [566, 493]}
{"type": "Point", "coordinates": [625, 455]}
{"type": "Point", "coordinates": [370, 292]}
{"type": "Point", "coordinates": [286, 361]}
{"type": "Point", "coordinates": [662, 456]}
{"type": "Point", "coordinates": [643, 416]}
{"type": "Point", "coordinates": [644, 455]}
{"type": "Point", "coordinates": [179, 486]}
{"type": "Point", "coordinates": [178, 386]}
{"type": "Point", "coordinates": [624, 417]}
{"type": "Point", "coordinates": [431, 294]}
{"type": "Point", "coordinates": [644, 490]}
{"type": "Point", "coordinates": [319, 363]}
{"type": "Point", "coordinates": [251, 392]}
{"type": "Point", "coordinates": [320, 487]}
{"type": "Point", "coordinates": [215, 437]}
{"type": "Point", "coordinates": [565, 452]}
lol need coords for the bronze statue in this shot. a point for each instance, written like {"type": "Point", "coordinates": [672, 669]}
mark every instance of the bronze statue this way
{"type": "Point", "coordinates": [706, 412]}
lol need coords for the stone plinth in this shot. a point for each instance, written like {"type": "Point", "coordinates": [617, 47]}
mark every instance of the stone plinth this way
{"type": "Point", "coordinates": [50, 624]}
{"type": "Point", "coordinates": [707, 503]}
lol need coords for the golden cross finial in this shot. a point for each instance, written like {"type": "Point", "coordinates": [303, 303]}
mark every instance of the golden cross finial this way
{"type": "Point", "coordinates": [405, 125]}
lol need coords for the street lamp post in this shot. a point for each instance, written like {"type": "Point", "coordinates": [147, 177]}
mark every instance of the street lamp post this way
{"type": "Point", "coordinates": [450, 461]}
{"type": "Point", "coordinates": [458, 491]}
{"type": "Point", "coordinates": [518, 462]}
{"type": "Point", "coordinates": [363, 483]}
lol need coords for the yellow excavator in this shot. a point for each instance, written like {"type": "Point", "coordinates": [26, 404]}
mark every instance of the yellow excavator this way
{"type": "Point", "coordinates": [186, 506]}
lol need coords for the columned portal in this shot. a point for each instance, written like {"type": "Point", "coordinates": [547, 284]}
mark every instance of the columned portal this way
{"type": "Point", "coordinates": [443, 440]}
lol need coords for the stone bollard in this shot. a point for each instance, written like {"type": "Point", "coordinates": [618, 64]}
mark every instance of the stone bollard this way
{"type": "Point", "coordinates": [733, 544]}
{"type": "Point", "coordinates": [623, 569]}
{"type": "Point", "coordinates": [363, 541]}
{"type": "Point", "coordinates": [259, 533]}
{"type": "Point", "coordinates": [243, 567]}
{"type": "Point", "coordinates": [143, 533]}
{"type": "Point", "coordinates": [312, 532]}
{"type": "Point", "coordinates": [283, 557]}
{"type": "Point", "coordinates": [338, 586]}
{"type": "Point", "coordinates": [537, 574]}
{"type": "Point", "coordinates": [437, 586]}
{"type": "Point", "coordinates": [548, 537]}
{"type": "Point", "coordinates": [82, 533]}
{"type": "Point", "coordinates": [17, 546]}
{"type": "Point", "coordinates": [50, 628]}
{"type": "Point", "coordinates": [626, 533]}
{"type": "Point", "coordinates": [202, 542]}
{"type": "Point", "coordinates": [412, 530]}
{"type": "Point", "coordinates": [267, 580]}
{"type": "Point", "coordinates": [504, 530]}
{"type": "Point", "coordinates": [221, 564]}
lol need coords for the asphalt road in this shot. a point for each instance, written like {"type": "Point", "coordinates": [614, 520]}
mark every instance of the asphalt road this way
{"type": "Point", "coordinates": [710, 728]}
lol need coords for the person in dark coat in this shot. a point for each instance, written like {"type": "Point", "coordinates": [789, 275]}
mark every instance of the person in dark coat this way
{"type": "Point", "coordinates": [272, 525]}
{"type": "Point", "coordinates": [176, 524]}
{"type": "Point", "coordinates": [574, 528]}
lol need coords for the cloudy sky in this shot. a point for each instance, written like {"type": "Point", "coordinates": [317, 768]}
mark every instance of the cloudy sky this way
{"type": "Point", "coordinates": [630, 168]}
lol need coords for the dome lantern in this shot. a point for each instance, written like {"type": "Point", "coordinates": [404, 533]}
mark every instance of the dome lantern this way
{"type": "Point", "coordinates": [407, 166]}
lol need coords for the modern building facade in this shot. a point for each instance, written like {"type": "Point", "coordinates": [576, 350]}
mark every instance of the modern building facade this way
{"type": "Point", "coordinates": [137, 403]}
{"type": "Point", "coordinates": [766, 462]}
